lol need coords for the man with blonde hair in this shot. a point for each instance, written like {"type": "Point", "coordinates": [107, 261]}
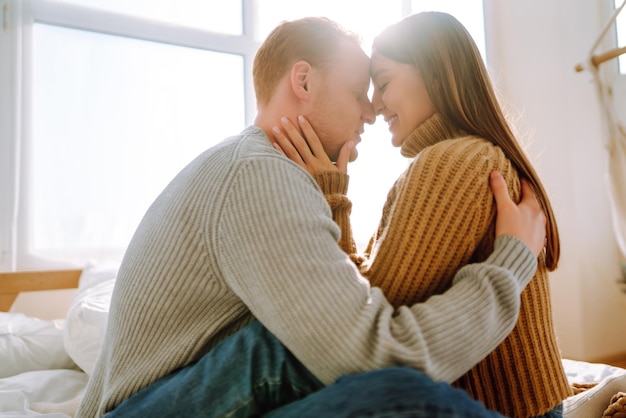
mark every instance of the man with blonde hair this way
{"type": "Point", "coordinates": [234, 298]}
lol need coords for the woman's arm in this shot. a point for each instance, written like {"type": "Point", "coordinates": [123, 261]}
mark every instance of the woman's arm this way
{"type": "Point", "coordinates": [332, 178]}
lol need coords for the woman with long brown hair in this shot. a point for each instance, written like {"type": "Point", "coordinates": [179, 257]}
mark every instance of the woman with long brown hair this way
{"type": "Point", "coordinates": [433, 89]}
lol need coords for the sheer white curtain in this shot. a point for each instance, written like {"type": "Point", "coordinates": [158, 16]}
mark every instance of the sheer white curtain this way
{"type": "Point", "coordinates": [610, 81]}
{"type": "Point", "coordinates": [617, 168]}
{"type": "Point", "coordinates": [614, 111]}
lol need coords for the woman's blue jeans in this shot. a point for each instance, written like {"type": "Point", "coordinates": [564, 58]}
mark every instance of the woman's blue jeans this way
{"type": "Point", "coordinates": [252, 374]}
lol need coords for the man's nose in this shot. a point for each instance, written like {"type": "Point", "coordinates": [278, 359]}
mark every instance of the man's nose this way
{"type": "Point", "coordinates": [368, 115]}
{"type": "Point", "coordinates": [377, 104]}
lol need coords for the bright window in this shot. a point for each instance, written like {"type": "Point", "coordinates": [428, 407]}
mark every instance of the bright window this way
{"type": "Point", "coordinates": [114, 119]}
{"type": "Point", "coordinates": [102, 102]}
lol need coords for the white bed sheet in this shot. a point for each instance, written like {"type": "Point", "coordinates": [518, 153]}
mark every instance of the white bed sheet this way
{"type": "Point", "coordinates": [42, 363]}
{"type": "Point", "coordinates": [593, 402]}
{"type": "Point", "coordinates": [49, 393]}
{"type": "Point", "coordinates": [56, 393]}
{"type": "Point", "coordinates": [39, 376]}
{"type": "Point", "coordinates": [585, 372]}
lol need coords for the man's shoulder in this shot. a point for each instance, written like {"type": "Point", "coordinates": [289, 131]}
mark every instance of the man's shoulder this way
{"type": "Point", "coordinates": [254, 147]}
{"type": "Point", "coordinates": [247, 158]}
{"type": "Point", "coordinates": [250, 137]}
{"type": "Point", "coordinates": [233, 150]}
{"type": "Point", "coordinates": [254, 143]}
{"type": "Point", "coordinates": [251, 153]}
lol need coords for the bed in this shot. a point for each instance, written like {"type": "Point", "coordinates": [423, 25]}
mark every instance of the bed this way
{"type": "Point", "coordinates": [45, 364]}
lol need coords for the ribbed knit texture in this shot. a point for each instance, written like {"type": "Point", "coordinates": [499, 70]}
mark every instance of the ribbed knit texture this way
{"type": "Point", "coordinates": [439, 216]}
{"type": "Point", "coordinates": [244, 233]}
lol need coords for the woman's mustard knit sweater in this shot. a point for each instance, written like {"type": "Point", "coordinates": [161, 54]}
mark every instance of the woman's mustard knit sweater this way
{"type": "Point", "coordinates": [439, 216]}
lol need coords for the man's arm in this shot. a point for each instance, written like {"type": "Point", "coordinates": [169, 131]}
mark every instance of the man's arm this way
{"type": "Point", "coordinates": [280, 256]}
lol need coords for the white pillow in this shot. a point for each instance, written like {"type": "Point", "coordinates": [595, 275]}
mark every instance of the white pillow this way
{"type": "Point", "coordinates": [29, 344]}
{"type": "Point", "coordinates": [86, 319]}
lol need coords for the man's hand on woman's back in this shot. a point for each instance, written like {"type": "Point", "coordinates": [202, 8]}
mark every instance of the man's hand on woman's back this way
{"type": "Point", "coordinates": [525, 221]}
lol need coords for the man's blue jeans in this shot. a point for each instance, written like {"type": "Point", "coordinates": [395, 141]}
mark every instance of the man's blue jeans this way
{"type": "Point", "coordinates": [252, 374]}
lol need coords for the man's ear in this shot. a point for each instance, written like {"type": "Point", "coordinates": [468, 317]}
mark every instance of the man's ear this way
{"type": "Point", "coordinates": [301, 79]}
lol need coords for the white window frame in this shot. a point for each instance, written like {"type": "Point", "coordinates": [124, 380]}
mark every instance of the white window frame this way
{"type": "Point", "coordinates": [16, 69]}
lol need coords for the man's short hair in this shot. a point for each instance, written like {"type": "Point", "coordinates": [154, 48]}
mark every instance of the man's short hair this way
{"type": "Point", "coordinates": [311, 39]}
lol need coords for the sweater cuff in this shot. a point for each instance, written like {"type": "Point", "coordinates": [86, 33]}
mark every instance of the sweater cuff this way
{"type": "Point", "coordinates": [332, 182]}
{"type": "Point", "coordinates": [514, 255]}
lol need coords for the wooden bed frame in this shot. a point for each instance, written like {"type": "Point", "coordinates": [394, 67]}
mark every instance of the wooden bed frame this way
{"type": "Point", "coordinates": [11, 284]}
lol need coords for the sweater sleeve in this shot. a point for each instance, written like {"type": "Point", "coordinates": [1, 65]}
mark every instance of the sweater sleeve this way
{"type": "Point", "coordinates": [334, 185]}
{"type": "Point", "coordinates": [441, 210]}
{"type": "Point", "coordinates": [279, 255]}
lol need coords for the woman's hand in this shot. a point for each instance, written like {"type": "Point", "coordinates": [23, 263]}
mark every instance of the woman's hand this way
{"type": "Point", "coordinates": [308, 152]}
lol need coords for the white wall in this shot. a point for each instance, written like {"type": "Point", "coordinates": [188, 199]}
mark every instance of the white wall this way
{"type": "Point", "coordinates": [534, 47]}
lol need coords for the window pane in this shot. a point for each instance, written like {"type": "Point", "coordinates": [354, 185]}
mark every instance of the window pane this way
{"type": "Point", "coordinates": [216, 16]}
{"type": "Point", "coordinates": [114, 119]}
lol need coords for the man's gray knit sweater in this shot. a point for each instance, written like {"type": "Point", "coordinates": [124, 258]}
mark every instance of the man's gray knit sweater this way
{"type": "Point", "coordinates": [243, 233]}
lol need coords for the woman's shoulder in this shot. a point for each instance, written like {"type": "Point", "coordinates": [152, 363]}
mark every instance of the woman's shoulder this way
{"type": "Point", "coordinates": [469, 142]}
{"type": "Point", "coordinates": [469, 156]}
{"type": "Point", "coordinates": [464, 148]}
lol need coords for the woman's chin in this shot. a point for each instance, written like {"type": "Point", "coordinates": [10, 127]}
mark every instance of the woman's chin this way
{"type": "Point", "coordinates": [396, 141]}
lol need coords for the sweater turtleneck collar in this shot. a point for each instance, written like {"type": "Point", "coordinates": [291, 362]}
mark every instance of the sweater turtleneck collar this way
{"type": "Point", "coordinates": [435, 129]}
